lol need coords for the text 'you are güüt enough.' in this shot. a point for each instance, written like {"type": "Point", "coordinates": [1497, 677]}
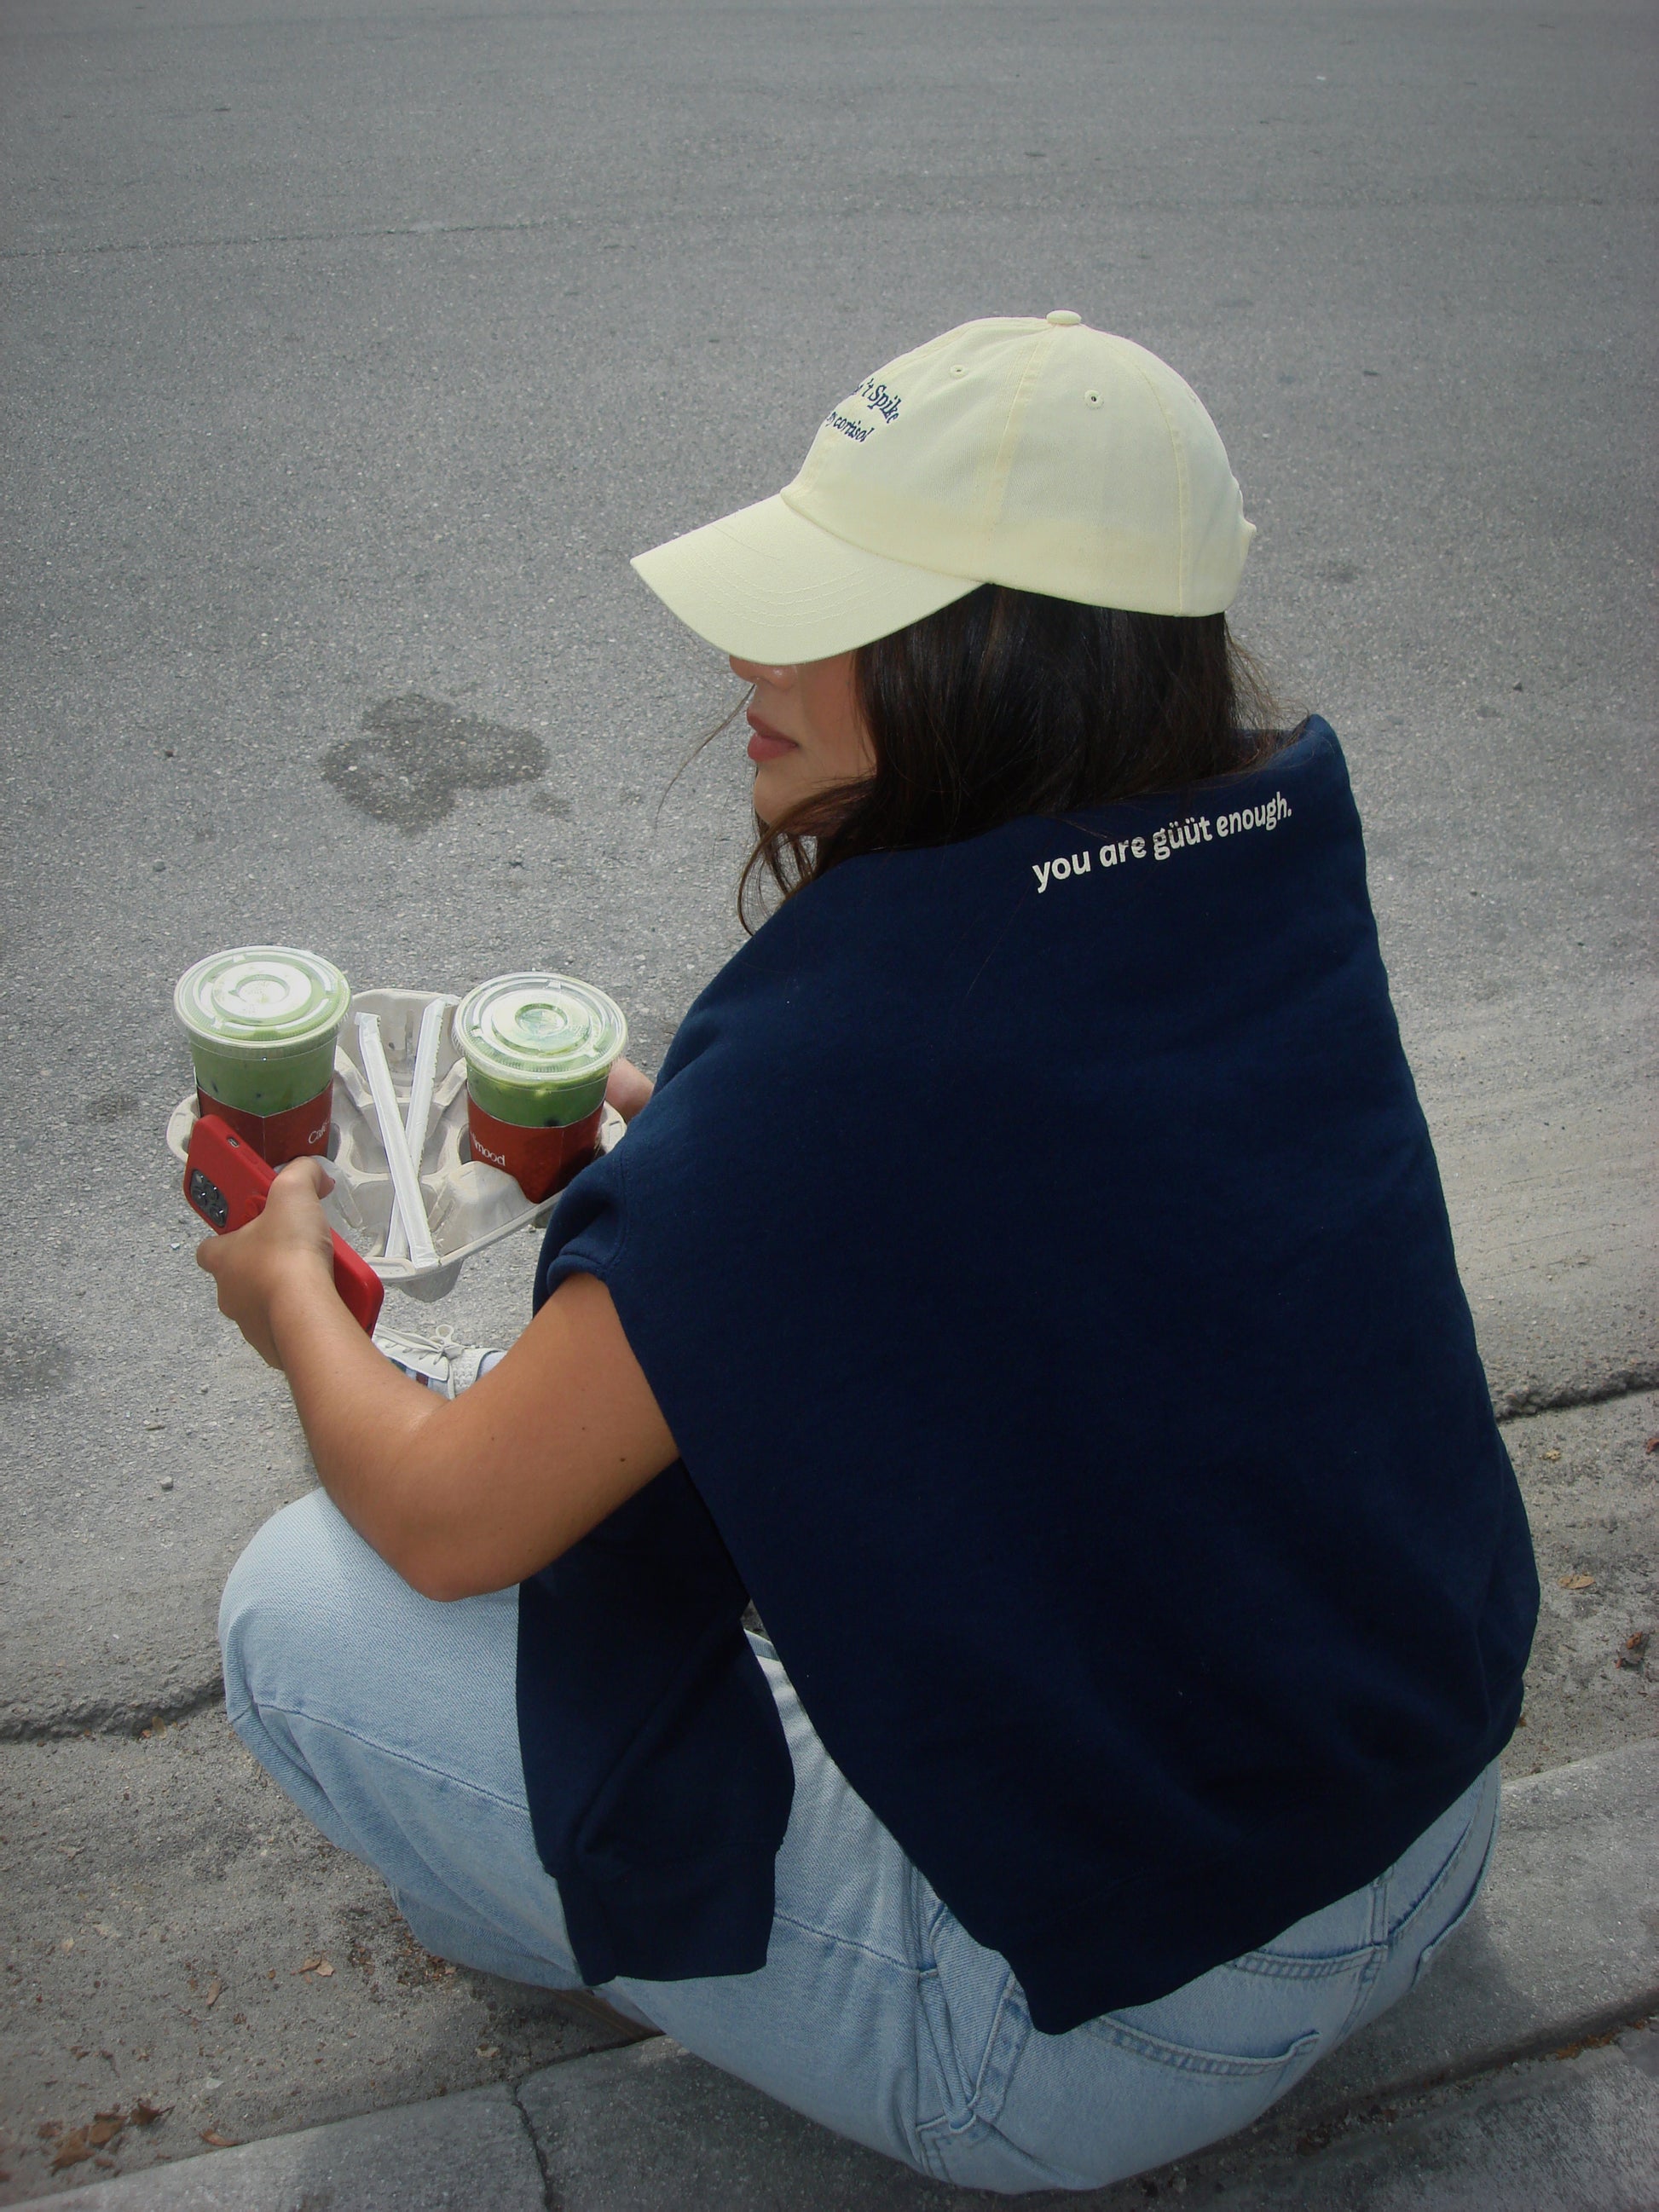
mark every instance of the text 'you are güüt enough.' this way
{"type": "Point", "coordinates": [1164, 844]}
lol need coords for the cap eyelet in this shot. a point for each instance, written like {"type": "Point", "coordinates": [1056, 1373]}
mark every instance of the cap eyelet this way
{"type": "Point", "coordinates": [958, 370]}
{"type": "Point", "coordinates": [1091, 399]}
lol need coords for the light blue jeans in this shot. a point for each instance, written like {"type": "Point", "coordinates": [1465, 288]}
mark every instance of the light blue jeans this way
{"type": "Point", "coordinates": [389, 1719]}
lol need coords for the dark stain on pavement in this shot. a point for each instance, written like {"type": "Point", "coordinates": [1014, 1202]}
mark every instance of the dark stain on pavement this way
{"type": "Point", "coordinates": [112, 1106]}
{"type": "Point", "coordinates": [413, 754]}
{"type": "Point", "coordinates": [34, 1361]}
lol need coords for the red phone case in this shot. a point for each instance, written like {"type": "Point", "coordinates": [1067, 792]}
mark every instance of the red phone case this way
{"type": "Point", "coordinates": [227, 1183]}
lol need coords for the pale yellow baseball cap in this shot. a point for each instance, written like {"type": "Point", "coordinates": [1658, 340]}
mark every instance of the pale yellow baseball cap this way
{"type": "Point", "coordinates": [1027, 451]}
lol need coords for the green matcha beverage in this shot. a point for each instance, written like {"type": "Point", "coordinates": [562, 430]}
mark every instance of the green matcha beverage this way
{"type": "Point", "coordinates": [538, 1049]}
{"type": "Point", "coordinates": [262, 1021]}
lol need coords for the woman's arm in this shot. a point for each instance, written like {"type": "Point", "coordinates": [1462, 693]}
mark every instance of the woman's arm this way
{"type": "Point", "coordinates": [464, 1496]}
{"type": "Point", "coordinates": [629, 1089]}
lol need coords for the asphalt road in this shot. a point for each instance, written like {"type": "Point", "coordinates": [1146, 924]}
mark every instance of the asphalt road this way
{"type": "Point", "coordinates": [348, 351]}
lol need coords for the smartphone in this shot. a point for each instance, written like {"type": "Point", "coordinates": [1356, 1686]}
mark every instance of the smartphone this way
{"type": "Point", "coordinates": [228, 1184]}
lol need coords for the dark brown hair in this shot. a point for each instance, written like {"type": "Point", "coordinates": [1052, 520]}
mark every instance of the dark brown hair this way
{"type": "Point", "coordinates": [1007, 704]}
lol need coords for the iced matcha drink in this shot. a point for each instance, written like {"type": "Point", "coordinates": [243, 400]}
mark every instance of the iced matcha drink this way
{"type": "Point", "coordinates": [538, 1049]}
{"type": "Point", "coordinates": [262, 1021]}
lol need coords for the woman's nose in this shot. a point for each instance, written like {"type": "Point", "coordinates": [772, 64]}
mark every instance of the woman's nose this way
{"type": "Point", "coordinates": [762, 671]}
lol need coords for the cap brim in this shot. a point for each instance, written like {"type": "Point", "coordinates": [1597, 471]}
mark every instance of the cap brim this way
{"type": "Point", "coordinates": [767, 585]}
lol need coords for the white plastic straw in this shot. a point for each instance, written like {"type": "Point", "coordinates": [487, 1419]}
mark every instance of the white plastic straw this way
{"type": "Point", "coordinates": [419, 1113]}
{"type": "Point", "coordinates": [405, 1183]}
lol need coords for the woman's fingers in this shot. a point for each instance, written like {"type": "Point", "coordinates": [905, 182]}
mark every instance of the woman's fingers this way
{"type": "Point", "coordinates": [308, 1173]}
{"type": "Point", "coordinates": [250, 1264]}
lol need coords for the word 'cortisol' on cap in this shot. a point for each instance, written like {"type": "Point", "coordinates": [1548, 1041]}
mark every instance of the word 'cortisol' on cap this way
{"type": "Point", "coordinates": [1031, 452]}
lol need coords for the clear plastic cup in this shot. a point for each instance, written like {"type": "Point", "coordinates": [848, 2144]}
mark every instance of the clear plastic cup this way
{"type": "Point", "coordinates": [538, 1050]}
{"type": "Point", "coordinates": [262, 1022]}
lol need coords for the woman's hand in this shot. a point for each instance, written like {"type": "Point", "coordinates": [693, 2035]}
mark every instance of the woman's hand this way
{"type": "Point", "coordinates": [629, 1089]}
{"type": "Point", "coordinates": [286, 1253]}
{"type": "Point", "coordinates": [460, 1497]}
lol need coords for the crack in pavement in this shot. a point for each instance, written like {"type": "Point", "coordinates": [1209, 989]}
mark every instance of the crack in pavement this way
{"type": "Point", "coordinates": [546, 2170]}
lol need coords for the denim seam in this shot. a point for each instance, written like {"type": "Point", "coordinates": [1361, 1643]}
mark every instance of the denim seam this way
{"type": "Point", "coordinates": [846, 1942]}
{"type": "Point", "coordinates": [1010, 2032]}
{"type": "Point", "coordinates": [930, 2001]}
{"type": "Point", "coordinates": [1182, 2059]}
{"type": "Point", "coordinates": [995, 2062]}
{"type": "Point", "coordinates": [402, 1758]}
{"type": "Point", "coordinates": [1298, 1970]}
{"type": "Point", "coordinates": [1459, 1852]}
{"type": "Point", "coordinates": [1431, 1949]}
{"type": "Point", "coordinates": [984, 2099]}
{"type": "Point", "coordinates": [1363, 1982]}
{"type": "Point", "coordinates": [1053, 2177]}
{"type": "Point", "coordinates": [930, 2149]}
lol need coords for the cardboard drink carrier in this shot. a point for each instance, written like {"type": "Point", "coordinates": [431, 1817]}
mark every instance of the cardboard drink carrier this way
{"type": "Point", "coordinates": [421, 1170]}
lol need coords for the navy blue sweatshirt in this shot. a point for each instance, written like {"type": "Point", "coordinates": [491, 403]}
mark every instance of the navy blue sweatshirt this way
{"type": "Point", "coordinates": [1035, 1247]}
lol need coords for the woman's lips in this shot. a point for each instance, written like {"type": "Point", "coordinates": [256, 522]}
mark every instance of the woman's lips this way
{"type": "Point", "coordinates": [765, 743]}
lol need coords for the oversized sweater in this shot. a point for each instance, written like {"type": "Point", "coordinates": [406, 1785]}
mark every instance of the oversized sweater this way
{"type": "Point", "coordinates": [1035, 1247]}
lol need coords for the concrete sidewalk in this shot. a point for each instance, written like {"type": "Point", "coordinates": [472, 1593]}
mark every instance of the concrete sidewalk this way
{"type": "Point", "coordinates": [1523, 2073]}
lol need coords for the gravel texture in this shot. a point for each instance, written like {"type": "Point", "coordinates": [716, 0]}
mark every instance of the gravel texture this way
{"type": "Point", "coordinates": [176, 1936]}
{"type": "Point", "coordinates": [1592, 1491]}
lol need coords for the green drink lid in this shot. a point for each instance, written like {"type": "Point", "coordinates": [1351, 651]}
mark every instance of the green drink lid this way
{"type": "Point", "coordinates": [539, 1029]}
{"type": "Point", "coordinates": [265, 1000]}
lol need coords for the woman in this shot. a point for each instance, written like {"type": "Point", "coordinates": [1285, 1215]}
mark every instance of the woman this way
{"type": "Point", "coordinates": [1030, 1284]}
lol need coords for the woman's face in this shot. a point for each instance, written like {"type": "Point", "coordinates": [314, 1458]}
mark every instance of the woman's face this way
{"type": "Point", "coordinates": [806, 733]}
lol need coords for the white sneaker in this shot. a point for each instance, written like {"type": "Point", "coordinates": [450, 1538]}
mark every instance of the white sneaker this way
{"type": "Point", "coordinates": [438, 1361]}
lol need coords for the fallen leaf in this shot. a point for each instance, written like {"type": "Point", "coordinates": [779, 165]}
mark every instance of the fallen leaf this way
{"type": "Point", "coordinates": [145, 2115]}
{"type": "Point", "coordinates": [115, 2113]}
{"type": "Point", "coordinates": [323, 1969]}
{"type": "Point", "coordinates": [71, 1850]}
{"type": "Point", "coordinates": [1633, 1649]}
{"type": "Point", "coordinates": [1552, 1455]}
{"type": "Point", "coordinates": [1651, 1445]}
{"type": "Point", "coordinates": [1576, 1581]}
{"type": "Point", "coordinates": [106, 2130]}
{"type": "Point", "coordinates": [215, 1990]}
{"type": "Point", "coordinates": [73, 2148]}
{"type": "Point", "coordinates": [309, 1967]}
{"type": "Point", "coordinates": [220, 2142]}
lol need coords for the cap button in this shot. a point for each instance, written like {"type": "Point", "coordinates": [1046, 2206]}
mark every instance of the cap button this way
{"type": "Point", "coordinates": [1063, 318]}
